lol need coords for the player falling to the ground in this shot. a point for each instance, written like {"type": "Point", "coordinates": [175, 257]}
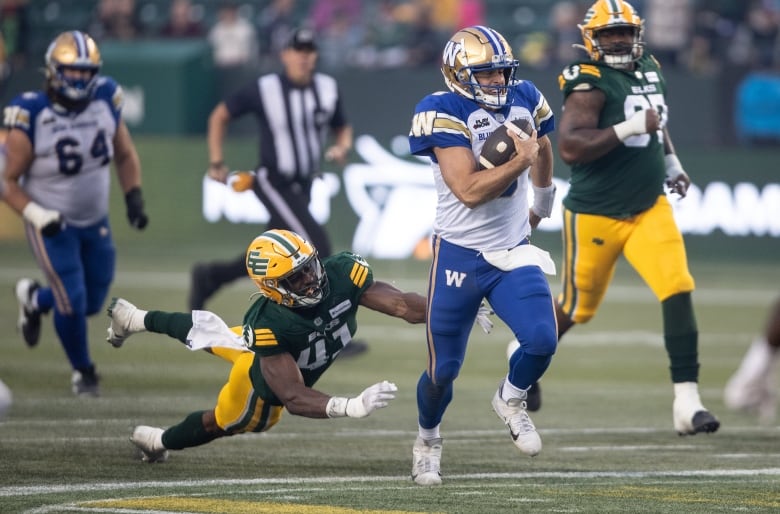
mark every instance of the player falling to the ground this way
{"type": "Point", "coordinates": [303, 318]}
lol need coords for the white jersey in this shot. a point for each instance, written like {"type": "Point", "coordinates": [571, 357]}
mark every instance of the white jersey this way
{"type": "Point", "coordinates": [447, 119]}
{"type": "Point", "coordinates": [72, 151]}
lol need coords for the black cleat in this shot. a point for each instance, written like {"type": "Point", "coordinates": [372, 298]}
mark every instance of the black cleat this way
{"type": "Point", "coordinates": [201, 287]}
{"type": "Point", "coordinates": [704, 422]}
{"type": "Point", "coordinates": [29, 321]}
{"type": "Point", "coordinates": [353, 349]}
{"type": "Point", "coordinates": [85, 382]}
{"type": "Point", "coordinates": [534, 400]}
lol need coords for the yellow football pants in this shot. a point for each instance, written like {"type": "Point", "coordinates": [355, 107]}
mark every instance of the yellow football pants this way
{"type": "Point", "coordinates": [239, 409]}
{"type": "Point", "coordinates": [650, 241]}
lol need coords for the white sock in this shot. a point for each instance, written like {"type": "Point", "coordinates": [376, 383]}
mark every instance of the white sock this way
{"type": "Point", "coordinates": [689, 391]}
{"type": "Point", "coordinates": [429, 433]}
{"type": "Point", "coordinates": [137, 321]}
{"type": "Point", "coordinates": [509, 392]}
{"type": "Point", "coordinates": [158, 445]}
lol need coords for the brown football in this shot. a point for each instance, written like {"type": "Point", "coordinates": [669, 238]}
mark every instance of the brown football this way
{"type": "Point", "coordinates": [498, 147]}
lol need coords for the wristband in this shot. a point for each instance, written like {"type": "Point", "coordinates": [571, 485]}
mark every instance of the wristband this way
{"type": "Point", "coordinates": [48, 221]}
{"type": "Point", "coordinates": [633, 126]}
{"type": "Point", "coordinates": [673, 165]}
{"type": "Point", "coordinates": [216, 164]}
{"type": "Point", "coordinates": [544, 198]}
{"type": "Point", "coordinates": [337, 407]}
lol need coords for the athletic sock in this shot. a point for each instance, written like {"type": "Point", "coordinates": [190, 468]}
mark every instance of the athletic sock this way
{"type": "Point", "coordinates": [174, 324]}
{"type": "Point", "coordinates": [188, 433]}
{"type": "Point", "coordinates": [681, 337]}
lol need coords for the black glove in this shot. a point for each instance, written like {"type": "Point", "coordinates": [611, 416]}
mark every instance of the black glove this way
{"type": "Point", "coordinates": [135, 208]}
{"type": "Point", "coordinates": [52, 229]}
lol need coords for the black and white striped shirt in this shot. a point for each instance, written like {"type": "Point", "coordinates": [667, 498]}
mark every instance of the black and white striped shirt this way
{"type": "Point", "coordinates": [294, 122]}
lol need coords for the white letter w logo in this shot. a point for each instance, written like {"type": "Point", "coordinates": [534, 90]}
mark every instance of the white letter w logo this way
{"type": "Point", "coordinates": [454, 277]}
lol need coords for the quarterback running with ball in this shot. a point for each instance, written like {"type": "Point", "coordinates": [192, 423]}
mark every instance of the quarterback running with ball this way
{"type": "Point", "coordinates": [481, 247]}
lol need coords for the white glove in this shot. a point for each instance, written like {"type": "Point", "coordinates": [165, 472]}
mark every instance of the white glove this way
{"type": "Point", "coordinates": [483, 318]}
{"type": "Point", "coordinates": [48, 221]}
{"type": "Point", "coordinates": [372, 398]}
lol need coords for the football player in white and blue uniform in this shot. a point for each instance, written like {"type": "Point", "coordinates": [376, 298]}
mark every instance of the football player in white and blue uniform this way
{"type": "Point", "coordinates": [60, 144]}
{"type": "Point", "coordinates": [481, 247]}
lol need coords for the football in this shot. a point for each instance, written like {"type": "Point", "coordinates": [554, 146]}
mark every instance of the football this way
{"type": "Point", "coordinates": [498, 147]}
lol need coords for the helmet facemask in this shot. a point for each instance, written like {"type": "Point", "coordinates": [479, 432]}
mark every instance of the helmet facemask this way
{"type": "Point", "coordinates": [620, 55]}
{"type": "Point", "coordinates": [305, 286]}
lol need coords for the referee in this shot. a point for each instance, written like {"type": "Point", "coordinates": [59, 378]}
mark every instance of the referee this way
{"type": "Point", "coordinates": [296, 111]}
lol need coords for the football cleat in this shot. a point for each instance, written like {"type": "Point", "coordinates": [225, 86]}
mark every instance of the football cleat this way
{"type": "Point", "coordinates": [353, 349]}
{"type": "Point", "coordinates": [126, 320]}
{"type": "Point", "coordinates": [534, 400]}
{"type": "Point", "coordinates": [85, 382]}
{"type": "Point", "coordinates": [514, 414]}
{"type": "Point", "coordinates": [426, 461]}
{"type": "Point", "coordinates": [29, 321]}
{"type": "Point", "coordinates": [202, 287]}
{"type": "Point", "coordinates": [752, 387]}
{"type": "Point", "coordinates": [149, 441]}
{"type": "Point", "coordinates": [689, 415]}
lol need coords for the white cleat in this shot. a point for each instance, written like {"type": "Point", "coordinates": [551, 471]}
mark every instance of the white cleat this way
{"type": "Point", "coordinates": [426, 461]}
{"type": "Point", "coordinates": [514, 414]}
{"type": "Point", "coordinates": [752, 387]}
{"type": "Point", "coordinates": [689, 415]}
{"type": "Point", "coordinates": [126, 320]}
{"type": "Point", "coordinates": [149, 441]}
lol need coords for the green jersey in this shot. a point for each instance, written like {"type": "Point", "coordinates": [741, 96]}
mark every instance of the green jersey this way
{"type": "Point", "coordinates": [312, 335]}
{"type": "Point", "coordinates": [628, 179]}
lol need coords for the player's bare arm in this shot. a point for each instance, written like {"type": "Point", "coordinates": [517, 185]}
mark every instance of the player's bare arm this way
{"type": "Point", "coordinates": [541, 179]}
{"type": "Point", "coordinates": [580, 139]}
{"type": "Point", "coordinates": [473, 187]}
{"type": "Point", "coordinates": [283, 376]}
{"type": "Point", "coordinates": [339, 151]}
{"type": "Point", "coordinates": [19, 157]}
{"type": "Point", "coordinates": [387, 299]}
{"type": "Point", "coordinates": [218, 123]}
{"type": "Point", "coordinates": [128, 164]}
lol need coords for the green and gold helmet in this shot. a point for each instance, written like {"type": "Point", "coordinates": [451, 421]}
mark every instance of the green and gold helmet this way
{"type": "Point", "coordinates": [286, 269]}
{"type": "Point", "coordinates": [607, 14]}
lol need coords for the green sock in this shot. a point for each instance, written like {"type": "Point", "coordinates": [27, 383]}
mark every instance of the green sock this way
{"type": "Point", "coordinates": [188, 433]}
{"type": "Point", "coordinates": [175, 324]}
{"type": "Point", "coordinates": [681, 337]}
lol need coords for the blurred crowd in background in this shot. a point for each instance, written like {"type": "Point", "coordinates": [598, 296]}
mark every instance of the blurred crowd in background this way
{"type": "Point", "coordinates": [700, 36]}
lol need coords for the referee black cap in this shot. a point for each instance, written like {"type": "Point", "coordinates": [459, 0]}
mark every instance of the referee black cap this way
{"type": "Point", "coordinates": [302, 39]}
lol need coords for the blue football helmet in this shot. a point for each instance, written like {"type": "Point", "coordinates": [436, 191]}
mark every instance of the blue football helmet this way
{"type": "Point", "coordinates": [476, 49]}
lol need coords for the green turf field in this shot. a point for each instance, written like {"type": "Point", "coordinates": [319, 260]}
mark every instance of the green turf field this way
{"type": "Point", "coordinates": [609, 445]}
